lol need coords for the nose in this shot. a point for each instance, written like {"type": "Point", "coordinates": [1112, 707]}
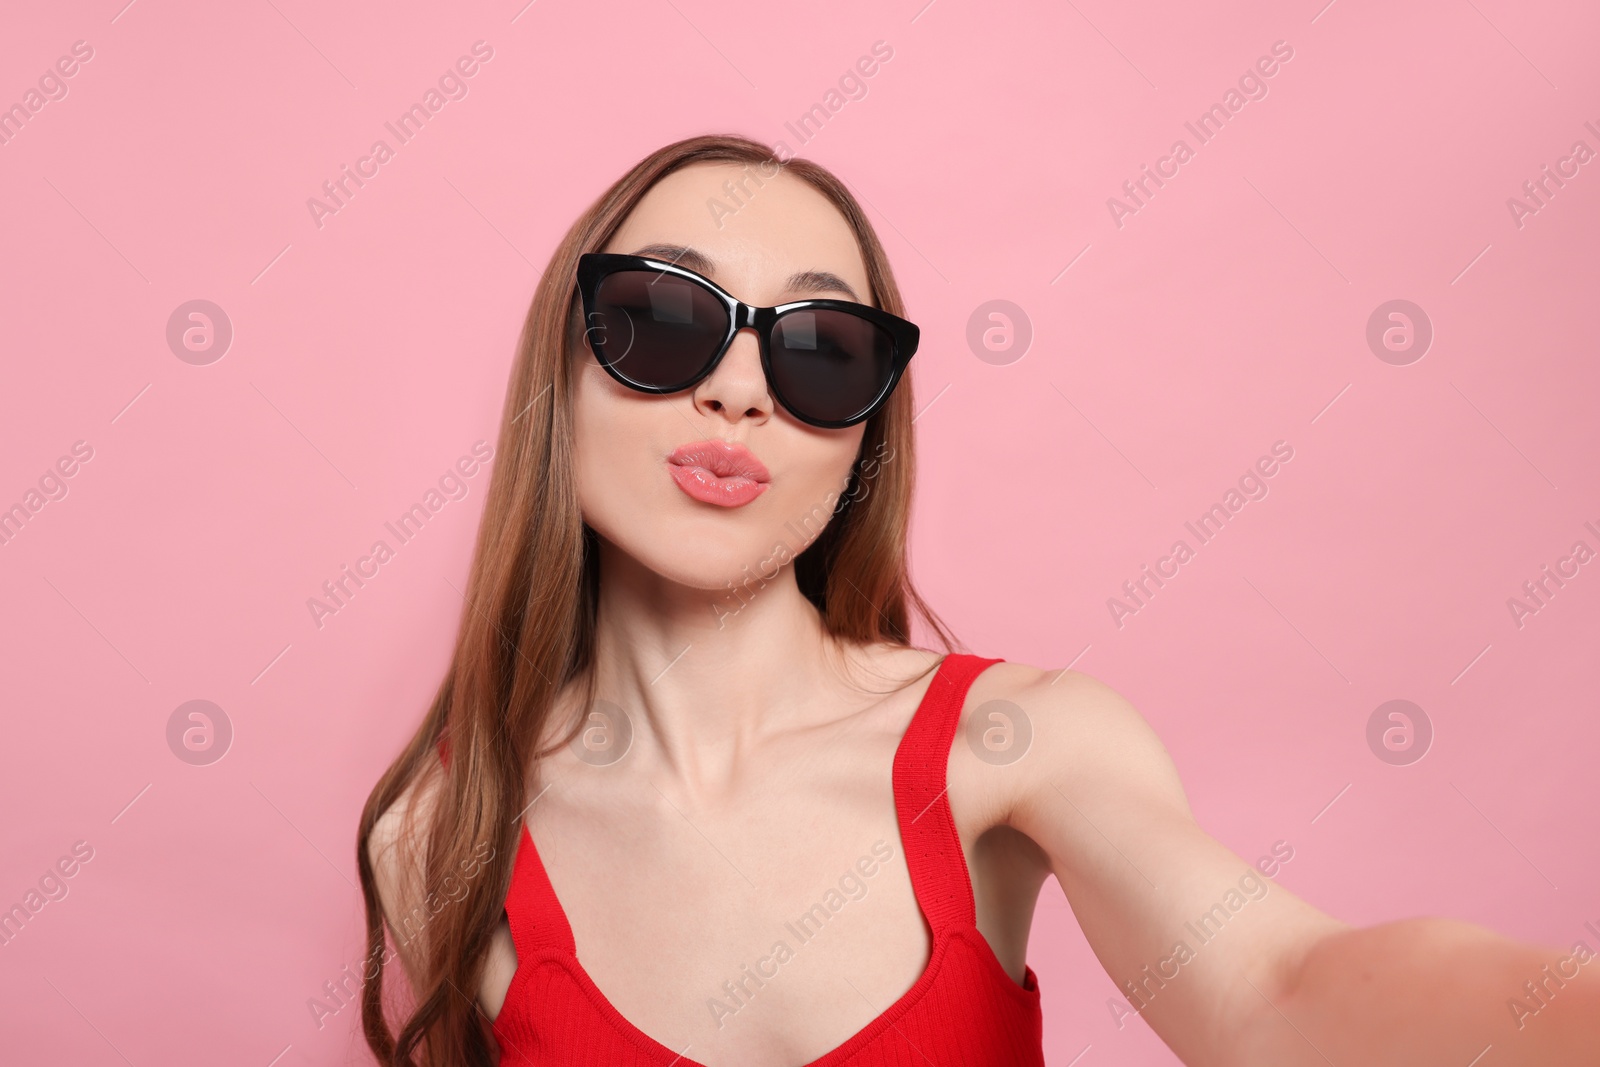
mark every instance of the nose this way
{"type": "Point", "coordinates": [737, 389]}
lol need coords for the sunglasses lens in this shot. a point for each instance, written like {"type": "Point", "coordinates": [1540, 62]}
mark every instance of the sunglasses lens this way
{"type": "Point", "coordinates": [828, 364]}
{"type": "Point", "coordinates": [657, 330]}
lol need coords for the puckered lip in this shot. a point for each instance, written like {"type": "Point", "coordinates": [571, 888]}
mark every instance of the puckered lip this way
{"type": "Point", "coordinates": [725, 459]}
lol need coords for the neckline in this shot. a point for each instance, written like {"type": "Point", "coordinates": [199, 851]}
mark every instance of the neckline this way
{"type": "Point", "coordinates": [940, 936]}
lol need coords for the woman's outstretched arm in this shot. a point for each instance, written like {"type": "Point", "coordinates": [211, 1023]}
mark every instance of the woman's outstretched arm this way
{"type": "Point", "coordinates": [1233, 970]}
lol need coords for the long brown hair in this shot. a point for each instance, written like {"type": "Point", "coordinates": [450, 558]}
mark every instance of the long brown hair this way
{"type": "Point", "coordinates": [527, 627]}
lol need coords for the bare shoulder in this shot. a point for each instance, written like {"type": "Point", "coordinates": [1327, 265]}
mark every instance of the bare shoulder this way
{"type": "Point", "coordinates": [1033, 734]}
{"type": "Point", "coordinates": [395, 849]}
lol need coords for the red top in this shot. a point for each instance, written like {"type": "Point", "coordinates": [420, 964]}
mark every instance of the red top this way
{"type": "Point", "coordinates": [964, 1010]}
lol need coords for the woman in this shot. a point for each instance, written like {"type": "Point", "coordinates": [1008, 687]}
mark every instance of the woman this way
{"type": "Point", "coordinates": [688, 795]}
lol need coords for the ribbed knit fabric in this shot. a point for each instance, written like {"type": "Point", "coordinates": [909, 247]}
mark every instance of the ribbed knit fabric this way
{"type": "Point", "coordinates": [963, 1011]}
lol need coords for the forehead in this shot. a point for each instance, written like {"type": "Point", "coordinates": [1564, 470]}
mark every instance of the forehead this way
{"type": "Point", "coordinates": [757, 231]}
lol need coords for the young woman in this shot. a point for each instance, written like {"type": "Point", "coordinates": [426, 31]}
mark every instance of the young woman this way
{"type": "Point", "coordinates": [688, 794]}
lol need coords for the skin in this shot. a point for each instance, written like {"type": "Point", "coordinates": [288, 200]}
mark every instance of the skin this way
{"type": "Point", "coordinates": [759, 773]}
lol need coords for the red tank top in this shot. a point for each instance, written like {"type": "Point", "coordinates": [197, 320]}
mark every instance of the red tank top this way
{"type": "Point", "coordinates": [963, 1011]}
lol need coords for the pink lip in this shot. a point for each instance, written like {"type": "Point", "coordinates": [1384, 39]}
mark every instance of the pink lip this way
{"type": "Point", "coordinates": [718, 472]}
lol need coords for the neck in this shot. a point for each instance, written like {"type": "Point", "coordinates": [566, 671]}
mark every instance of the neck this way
{"type": "Point", "coordinates": [705, 675]}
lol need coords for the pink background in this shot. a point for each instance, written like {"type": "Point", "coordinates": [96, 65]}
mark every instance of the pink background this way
{"type": "Point", "coordinates": [368, 354]}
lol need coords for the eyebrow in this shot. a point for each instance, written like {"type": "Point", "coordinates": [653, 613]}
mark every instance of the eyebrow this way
{"type": "Point", "coordinates": [807, 281]}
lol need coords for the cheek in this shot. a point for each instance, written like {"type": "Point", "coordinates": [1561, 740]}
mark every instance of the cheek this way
{"type": "Point", "coordinates": [812, 488]}
{"type": "Point", "coordinates": [612, 452]}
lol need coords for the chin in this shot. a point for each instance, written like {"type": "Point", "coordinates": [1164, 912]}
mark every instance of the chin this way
{"type": "Point", "coordinates": [710, 571]}
{"type": "Point", "coordinates": [700, 550]}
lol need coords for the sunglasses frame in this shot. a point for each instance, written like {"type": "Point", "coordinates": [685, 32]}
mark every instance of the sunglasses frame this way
{"type": "Point", "coordinates": [594, 267]}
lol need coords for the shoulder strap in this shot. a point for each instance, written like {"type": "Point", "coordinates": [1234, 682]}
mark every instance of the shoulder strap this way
{"type": "Point", "coordinates": [939, 875]}
{"type": "Point", "coordinates": [538, 922]}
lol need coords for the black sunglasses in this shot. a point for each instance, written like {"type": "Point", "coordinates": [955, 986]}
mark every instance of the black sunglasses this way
{"type": "Point", "coordinates": [661, 328]}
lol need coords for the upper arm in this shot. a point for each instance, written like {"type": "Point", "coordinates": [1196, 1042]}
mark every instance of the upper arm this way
{"type": "Point", "coordinates": [395, 849]}
{"type": "Point", "coordinates": [1194, 937]}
